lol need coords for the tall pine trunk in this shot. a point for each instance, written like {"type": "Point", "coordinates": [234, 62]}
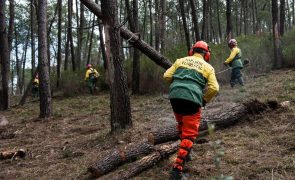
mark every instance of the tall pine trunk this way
{"type": "Point", "coordinates": [195, 20]}
{"type": "Point", "coordinates": [276, 36]}
{"type": "Point", "coordinates": [183, 16]}
{"type": "Point", "coordinates": [44, 86]}
{"type": "Point", "coordinates": [120, 102]}
{"type": "Point", "coordinates": [59, 4]}
{"type": "Point", "coordinates": [228, 20]}
{"type": "Point", "coordinates": [4, 57]}
{"type": "Point", "coordinates": [33, 61]}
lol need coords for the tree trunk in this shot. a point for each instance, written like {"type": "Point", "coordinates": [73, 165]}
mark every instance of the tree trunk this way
{"type": "Point", "coordinates": [282, 17]}
{"type": "Point", "coordinates": [4, 55]}
{"type": "Point", "coordinates": [120, 156]}
{"type": "Point", "coordinates": [163, 25]}
{"type": "Point", "coordinates": [120, 103]}
{"type": "Point", "coordinates": [102, 45]}
{"type": "Point", "coordinates": [10, 39]}
{"type": "Point", "coordinates": [70, 14]}
{"type": "Point", "coordinates": [195, 20]}
{"type": "Point", "coordinates": [276, 36]}
{"type": "Point", "coordinates": [218, 20]}
{"type": "Point", "coordinates": [157, 24]}
{"type": "Point", "coordinates": [229, 34]}
{"type": "Point", "coordinates": [148, 161]}
{"type": "Point", "coordinates": [33, 61]}
{"type": "Point", "coordinates": [136, 53]}
{"type": "Point", "coordinates": [151, 23]}
{"type": "Point", "coordinates": [17, 63]}
{"type": "Point", "coordinates": [91, 39]}
{"type": "Point", "coordinates": [205, 29]}
{"type": "Point", "coordinates": [59, 4]}
{"type": "Point", "coordinates": [44, 86]}
{"type": "Point", "coordinates": [79, 55]}
{"type": "Point", "coordinates": [186, 32]}
{"type": "Point", "coordinates": [117, 157]}
{"type": "Point", "coordinates": [132, 38]}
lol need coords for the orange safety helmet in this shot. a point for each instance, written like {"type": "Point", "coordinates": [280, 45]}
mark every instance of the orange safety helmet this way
{"type": "Point", "coordinates": [88, 66]}
{"type": "Point", "coordinates": [201, 45]}
{"type": "Point", "coordinates": [232, 43]}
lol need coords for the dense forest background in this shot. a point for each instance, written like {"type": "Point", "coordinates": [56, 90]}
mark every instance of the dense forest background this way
{"type": "Point", "coordinates": [75, 37]}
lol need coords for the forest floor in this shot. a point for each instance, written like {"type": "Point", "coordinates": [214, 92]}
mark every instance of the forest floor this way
{"type": "Point", "coordinates": [262, 147]}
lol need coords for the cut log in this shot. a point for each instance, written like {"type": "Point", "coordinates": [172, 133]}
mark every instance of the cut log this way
{"type": "Point", "coordinates": [120, 156]}
{"type": "Point", "coordinates": [220, 120]}
{"type": "Point", "coordinates": [161, 152]}
{"type": "Point", "coordinates": [13, 154]}
{"type": "Point", "coordinates": [132, 38]}
{"type": "Point", "coordinates": [228, 117]}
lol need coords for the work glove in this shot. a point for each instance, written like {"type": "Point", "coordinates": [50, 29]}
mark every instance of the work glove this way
{"type": "Point", "coordinates": [225, 63]}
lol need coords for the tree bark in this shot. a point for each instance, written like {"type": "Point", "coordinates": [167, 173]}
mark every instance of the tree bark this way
{"type": "Point", "coordinates": [32, 21]}
{"type": "Point", "coordinates": [218, 20]}
{"type": "Point", "coordinates": [102, 44]}
{"type": "Point", "coordinates": [282, 17]}
{"type": "Point", "coordinates": [186, 32]}
{"type": "Point", "coordinates": [276, 36]}
{"type": "Point", "coordinates": [118, 157]}
{"type": "Point", "coordinates": [44, 86]}
{"type": "Point", "coordinates": [195, 20]}
{"type": "Point", "coordinates": [59, 4]}
{"type": "Point", "coordinates": [10, 39]}
{"type": "Point", "coordinates": [229, 34]}
{"type": "Point", "coordinates": [70, 15]}
{"type": "Point", "coordinates": [4, 57]}
{"type": "Point", "coordinates": [163, 26]}
{"type": "Point", "coordinates": [148, 161]}
{"type": "Point", "coordinates": [120, 102]}
{"type": "Point", "coordinates": [132, 38]}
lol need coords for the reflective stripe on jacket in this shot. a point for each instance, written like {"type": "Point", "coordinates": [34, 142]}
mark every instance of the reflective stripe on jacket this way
{"type": "Point", "coordinates": [189, 76]}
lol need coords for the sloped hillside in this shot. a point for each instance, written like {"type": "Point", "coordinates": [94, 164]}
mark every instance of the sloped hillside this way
{"type": "Point", "coordinates": [263, 147]}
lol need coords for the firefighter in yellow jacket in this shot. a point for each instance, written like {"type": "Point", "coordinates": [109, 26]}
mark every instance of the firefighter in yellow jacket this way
{"type": "Point", "coordinates": [187, 93]}
{"type": "Point", "coordinates": [235, 62]}
{"type": "Point", "coordinates": [91, 76]}
{"type": "Point", "coordinates": [35, 86]}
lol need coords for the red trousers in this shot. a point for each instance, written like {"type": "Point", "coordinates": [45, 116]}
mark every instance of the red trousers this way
{"type": "Point", "coordinates": [188, 126]}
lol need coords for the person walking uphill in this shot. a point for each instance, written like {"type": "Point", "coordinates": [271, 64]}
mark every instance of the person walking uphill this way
{"type": "Point", "coordinates": [35, 86]}
{"type": "Point", "coordinates": [188, 77]}
{"type": "Point", "coordinates": [91, 76]}
{"type": "Point", "coordinates": [235, 62]}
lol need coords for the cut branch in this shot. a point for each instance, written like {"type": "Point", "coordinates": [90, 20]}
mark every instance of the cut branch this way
{"type": "Point", "coordinates": [132, 38]}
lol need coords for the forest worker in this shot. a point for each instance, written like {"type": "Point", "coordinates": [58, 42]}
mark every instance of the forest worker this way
{"type": "Point", "coordinates": [235, 62]}
{"type": "Point", "coordinates": [188, 77]}
{"type": "Point", "coordinates": [91, 77]}
{"type": "Point", "coordinates": [35, 86]}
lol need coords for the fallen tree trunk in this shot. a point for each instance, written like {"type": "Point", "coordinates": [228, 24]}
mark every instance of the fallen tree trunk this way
{"type": "Point", "coordinates": [148, 161]}
{"type": "Point", "coordinates": [12, 154]}
{"type": "Point", "coordinates": [132, 38]}
{"type": "Point", "coordinates": [221, 120]}
{"type": "Point", "coordinates": [118, 157]}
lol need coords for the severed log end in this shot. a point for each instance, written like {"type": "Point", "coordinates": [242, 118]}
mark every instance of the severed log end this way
{"type": "Point", "coordinates": [21, 153]}
{"type": "Point", "coordinates": [120, 156]}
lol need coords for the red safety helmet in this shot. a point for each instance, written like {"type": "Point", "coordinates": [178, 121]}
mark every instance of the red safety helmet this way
{"type": "Point", "coordinates": [232, 43]}
{"type": "Point", "coordinates": [88, 66]}
{"type": "Point", "coordinates": [201, 45]}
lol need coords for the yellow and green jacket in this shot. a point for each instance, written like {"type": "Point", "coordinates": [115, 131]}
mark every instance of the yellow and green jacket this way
{"type": "Point", "coordinates": [36, 81]}
{"type": "Point", "coordinates": [234, 59]}
{"type": "Point", "coordinates": [189, 76]}
{"type": "Point", "coordinates": [91, 73]}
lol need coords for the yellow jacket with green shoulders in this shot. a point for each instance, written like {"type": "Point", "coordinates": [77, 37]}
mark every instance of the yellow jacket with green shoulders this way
{"type": "Point", "coordinates": [234, 59]}
{"type": "Point", "coordinates": [91, 72]}
{"type": "Point", "coordinates": [189, 76]}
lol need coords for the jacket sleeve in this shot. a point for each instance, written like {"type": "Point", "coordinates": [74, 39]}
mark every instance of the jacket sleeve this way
{"type": "Point", "coordinates": [212, 86]}
{"type": "Point", "coordinates": [168, 75]}
{"type": "Point", "coordinates": [232, 55]}
{"type": "Point", "coordinates": [87, 75]}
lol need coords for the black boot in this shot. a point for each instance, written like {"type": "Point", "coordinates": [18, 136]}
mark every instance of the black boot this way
{"type": "Point", "coordinates": [175, 174]}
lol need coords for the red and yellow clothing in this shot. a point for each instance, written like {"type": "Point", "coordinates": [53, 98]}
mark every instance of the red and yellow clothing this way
{"type": "Point", "coordinates": [189, 76]}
